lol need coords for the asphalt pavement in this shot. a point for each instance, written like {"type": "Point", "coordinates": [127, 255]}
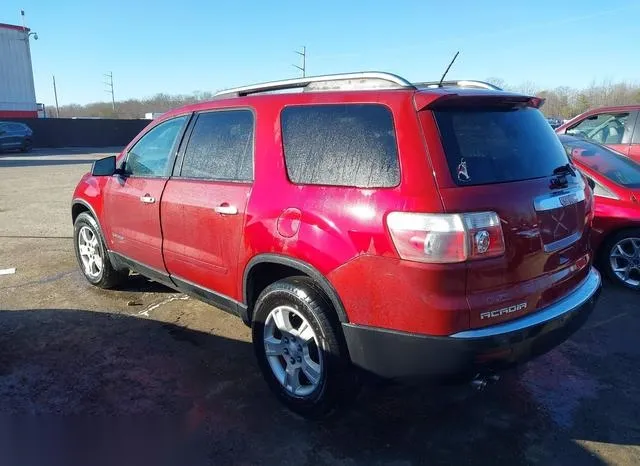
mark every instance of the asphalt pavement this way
{"type": "Point", "coordinates": [145, 375]}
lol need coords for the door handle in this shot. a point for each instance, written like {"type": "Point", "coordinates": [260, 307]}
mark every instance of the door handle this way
{"type": "Point", "coordinates": [226, 209]}
{"type": "Point", "coordinates": [147, 199]}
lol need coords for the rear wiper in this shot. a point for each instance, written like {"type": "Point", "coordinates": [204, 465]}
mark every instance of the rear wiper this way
{"type": "Point", "coordinates": [566, 169]}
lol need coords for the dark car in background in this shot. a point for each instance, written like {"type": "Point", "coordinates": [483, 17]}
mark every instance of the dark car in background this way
{"type": "Point", "coordinates": [554, 122]}
{"type": "Point", "coordinates": [15, 136]}
{"type": "Point", "coordinates": [615, 127]}
{"type": "Point", "coordinates": [616, 226]}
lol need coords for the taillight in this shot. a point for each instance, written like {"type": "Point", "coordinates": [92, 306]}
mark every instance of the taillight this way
{"type": "Point", "coordinates": [446, 238]}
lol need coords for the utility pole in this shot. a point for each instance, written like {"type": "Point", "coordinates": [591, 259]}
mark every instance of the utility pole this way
{"type": "Point", "coordinates": [55, 94]}
{"type": "Point", "coordinates": [109, 84]}
{"type": "Point", "coordinates": [303, 54]}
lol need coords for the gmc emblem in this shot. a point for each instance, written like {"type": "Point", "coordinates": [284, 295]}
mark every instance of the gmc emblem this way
{"type": "Point", "coordinates": [503, 311]}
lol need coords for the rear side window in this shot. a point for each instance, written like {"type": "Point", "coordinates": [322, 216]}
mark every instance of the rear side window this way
{"type": "Point", "coordinates": [340, 145]}
{"type": "Point", "coordinates": [498, 145]}
{"type": "Point", "coordinates": [220, 147]}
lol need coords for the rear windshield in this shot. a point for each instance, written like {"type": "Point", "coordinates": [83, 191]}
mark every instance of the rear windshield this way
{"type": "Point", "coordinates": [612, 165]}
{"type": "Point", "coordinates": [498, 145]}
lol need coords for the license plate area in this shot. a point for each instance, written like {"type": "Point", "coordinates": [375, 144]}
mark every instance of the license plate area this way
{"type": "Point", "coordinates": [560, 218]}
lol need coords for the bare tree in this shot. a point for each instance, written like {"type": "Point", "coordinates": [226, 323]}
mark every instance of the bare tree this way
{"type": "Point", "coordinates": [560, 102]}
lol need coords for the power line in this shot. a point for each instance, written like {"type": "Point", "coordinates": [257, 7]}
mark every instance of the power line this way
{"type": "Point", "coordinates": [303, 54]}
{"type": "Point", "coordinates": [109, 85]}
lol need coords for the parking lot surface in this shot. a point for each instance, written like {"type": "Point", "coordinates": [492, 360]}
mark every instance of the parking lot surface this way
{"type": "Point", "coordinates": [147, 373]}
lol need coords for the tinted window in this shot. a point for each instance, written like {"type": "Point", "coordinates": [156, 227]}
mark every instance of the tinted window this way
{"type": "Point", "coordinates": [496, 145]}
{"type": "Point", "coordinates": [603, 128]}
{"type": "Point", "coordinates": [610, 164]}
{"type": "Point", "coordinates": [151, 154]}
{"type": "Point", "coordinates": [341, 145]}
{"type": "Point", "coordinates": [221, 146]}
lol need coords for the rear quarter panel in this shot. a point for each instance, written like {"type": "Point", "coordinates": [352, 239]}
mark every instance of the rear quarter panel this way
{"type": "Point", "coordinates": [342, 230]}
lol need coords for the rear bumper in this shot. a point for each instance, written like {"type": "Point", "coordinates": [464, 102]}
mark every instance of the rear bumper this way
{"type": "Point", "coordinates": [393, 354]}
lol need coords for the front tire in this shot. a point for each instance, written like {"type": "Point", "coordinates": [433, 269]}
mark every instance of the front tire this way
{"type": "Point", "coordinates": [621, 258]}
{"type": "Point", "coordinates": [300, 348]}
{"type": "Point", "coordinates": [91, 252]}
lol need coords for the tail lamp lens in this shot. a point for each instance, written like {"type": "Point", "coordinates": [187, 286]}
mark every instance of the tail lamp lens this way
{"type": "Point", "coordinates": [446, 238]}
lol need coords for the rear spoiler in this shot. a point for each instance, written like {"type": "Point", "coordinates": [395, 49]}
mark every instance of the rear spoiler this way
{"type": "Point", "coordinates": [434, 100]}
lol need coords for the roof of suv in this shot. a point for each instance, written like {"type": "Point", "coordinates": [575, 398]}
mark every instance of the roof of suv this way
{"type": "Point", "coordinates": [359, 82]}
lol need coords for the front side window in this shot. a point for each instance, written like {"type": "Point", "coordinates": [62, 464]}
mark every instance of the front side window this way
{"type": "Point", "coordinates": [603, 128]}
{"type": "Point", "coordinates": [220, 147]}
{"type": "Point", "coordinates": [340, 145]}
{"type": "Point", "coordinates": [150, 156]}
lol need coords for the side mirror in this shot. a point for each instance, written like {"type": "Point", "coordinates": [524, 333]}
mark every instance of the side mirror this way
{"type": "Point", "coordinates": [104, 167]}
{"type": "Point", "coordinates": [591, 183]}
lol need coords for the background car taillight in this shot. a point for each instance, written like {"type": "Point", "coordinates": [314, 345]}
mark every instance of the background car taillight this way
{"type": "Point", "coordinates": [446, 238]}
{"type": "Point", "coordinates": [589, 206]}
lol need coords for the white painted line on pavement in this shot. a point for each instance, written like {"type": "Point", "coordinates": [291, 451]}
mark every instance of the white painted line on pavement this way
{"type": "Point", "coordinates": [153, 307]}
{"type": "Point", "coordinates": [8, 271]}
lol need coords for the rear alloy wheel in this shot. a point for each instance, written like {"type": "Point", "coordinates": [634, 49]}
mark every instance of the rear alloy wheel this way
{"type": "Point", "coordinates": [300, 348]}
{"type": "Point", "coordinates": [91, 253]}
{"type": "Point", "coordinates": [293, 351]}
{"type": "Point", "coordinates": [623, 259]}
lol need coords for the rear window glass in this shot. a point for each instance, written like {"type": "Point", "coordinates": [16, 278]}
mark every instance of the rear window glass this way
{"type": "Point", "coordinates": [340, 145]}
{"type": "Point", "coordinates": [220, 147]}
{"type": "Point", "coordinates": [616, 167]}
{"type": "Point", "coordinates": [498, 145]}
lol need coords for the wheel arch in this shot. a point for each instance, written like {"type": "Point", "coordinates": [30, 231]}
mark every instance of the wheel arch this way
{"type": "Point", "coordinates": [78, 206]}
{"type": "Point", "coordinates": [249, 294]}
{"type": "Point", "coordinates": [604, 243]}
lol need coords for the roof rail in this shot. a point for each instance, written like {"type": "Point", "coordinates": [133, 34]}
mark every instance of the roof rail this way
{"type": "Point", "coordinates": [460, 83]}
{"type": "Point", "coordinates": [354, 81]}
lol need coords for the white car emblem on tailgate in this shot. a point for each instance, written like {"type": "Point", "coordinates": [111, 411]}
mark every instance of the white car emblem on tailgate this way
{"type": "Point", "coordinates": [503, 311]}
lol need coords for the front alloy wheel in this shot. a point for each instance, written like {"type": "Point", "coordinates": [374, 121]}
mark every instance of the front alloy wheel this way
{"type": "Point", "coordinates": [624, 260]}
{"type": "Point", "coordinates": [90, 252]}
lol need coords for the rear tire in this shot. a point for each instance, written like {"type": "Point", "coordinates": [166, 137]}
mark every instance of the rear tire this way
{"type": "Point", "coordinates": [91, 253]}
{"type": "Point", "coordinates": [307, 365]}
{"type": "Point", "coordinates": [620, 258]}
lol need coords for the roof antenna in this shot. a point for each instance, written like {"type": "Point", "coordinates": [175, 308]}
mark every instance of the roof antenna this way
{"type": "Point", "coordinates": [447, 70]}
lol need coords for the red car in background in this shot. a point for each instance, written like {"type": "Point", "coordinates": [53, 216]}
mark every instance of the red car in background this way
{"type": "Point", "coordinates": [615, 127]}
{"type": "Point", "coordinates": [616, 226]}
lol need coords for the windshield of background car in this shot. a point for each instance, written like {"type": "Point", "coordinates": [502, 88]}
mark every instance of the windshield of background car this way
{"type": "Point", "coordinates": [610, 164]}
{"type": "Point", "coordinates": [498, 145]}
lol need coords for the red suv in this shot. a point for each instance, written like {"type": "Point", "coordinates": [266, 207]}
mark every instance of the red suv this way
{"type": "Point", "coordinates": [365, 224]}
